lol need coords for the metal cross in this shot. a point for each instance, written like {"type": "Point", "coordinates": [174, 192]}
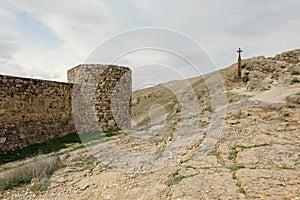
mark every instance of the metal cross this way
{"type": "Point", "coordinates": [239, 64]}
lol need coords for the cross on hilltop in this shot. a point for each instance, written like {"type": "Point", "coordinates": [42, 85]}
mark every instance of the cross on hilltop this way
{"type": "Point", "coordinates": [239, 63]}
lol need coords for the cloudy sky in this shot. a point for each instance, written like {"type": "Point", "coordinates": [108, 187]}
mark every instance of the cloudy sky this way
{"type": "Point", "coordinates": [43, 39]}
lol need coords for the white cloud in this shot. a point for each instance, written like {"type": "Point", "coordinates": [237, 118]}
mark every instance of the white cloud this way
{"type": "Point", "coordinates": [260, 27]}
{"type": "Point", "coordinates": [45, 38]}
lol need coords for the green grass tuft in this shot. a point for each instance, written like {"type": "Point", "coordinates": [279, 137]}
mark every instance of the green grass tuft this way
{"type": "Point", "coordinates": [111, 133]}
{"type": "Point", "coordinates": [236, 167]}
{"type": "Point", "coordinates": [233, 154]}
{"type": "Point", "coordinates": [53, 145]}
{"type": "Point", "coordinates": [254, 146]}
{"type": "Point", "coordinates": [175, 177]}
{"type": "Point", "coordinates": [144, 122]}
{"type": "Point", "coordinates": [234, 151]}
{"type": "Point", "coordinates": [190, 167]}
{"type": "Point", "coordinates": [214, 153]}
{"type": "Point", "coordinates": [286, 167]}
{"type": "Point", "coordinates": [242, 191]}
{"type": "Point", "coordinates": [169, 108]}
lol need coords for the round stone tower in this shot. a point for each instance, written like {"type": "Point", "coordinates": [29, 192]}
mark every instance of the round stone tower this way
{"type": "Point", "coordinates": [101, 97]}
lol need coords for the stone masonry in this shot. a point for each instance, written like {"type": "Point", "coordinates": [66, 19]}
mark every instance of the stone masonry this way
{"type": "Point", "coordinates": [96, 98]}
{"type": "Point", "coordinates": [33, 111]}
{"type": "Point", "coordinates": [101, 97]}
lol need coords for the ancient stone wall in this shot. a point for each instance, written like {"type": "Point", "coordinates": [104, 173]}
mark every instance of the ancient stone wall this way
{"type": "Point", "coordinates": [97, 98]}
{"type": "Point", "coordinates": [33, 111]}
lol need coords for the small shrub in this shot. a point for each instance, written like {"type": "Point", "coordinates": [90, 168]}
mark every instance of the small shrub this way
{"type": "Point", "coordinates": [174, 178]}
{"type": "Point", "coordinates": [242, 191]}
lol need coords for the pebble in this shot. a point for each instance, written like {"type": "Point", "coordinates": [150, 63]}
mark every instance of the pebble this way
{"type": "Point", "coordinates": [84, 186]}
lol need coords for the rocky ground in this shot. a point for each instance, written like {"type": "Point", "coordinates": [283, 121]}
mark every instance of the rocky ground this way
{"type": "Point", "coordinates": [253, 153]}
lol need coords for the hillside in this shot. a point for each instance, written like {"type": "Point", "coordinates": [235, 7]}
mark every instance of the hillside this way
{"type": "Point", "coordinates": [176, 151]}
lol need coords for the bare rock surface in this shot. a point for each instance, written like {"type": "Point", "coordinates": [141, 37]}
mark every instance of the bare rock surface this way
{"type": "Point", "coordinates": [270, 184]}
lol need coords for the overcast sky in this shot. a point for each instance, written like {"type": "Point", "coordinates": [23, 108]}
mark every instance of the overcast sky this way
{"type": "Point", "coordinates": [43, 39]}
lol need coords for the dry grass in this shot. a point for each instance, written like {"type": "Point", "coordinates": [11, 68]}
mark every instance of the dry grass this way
{"type": "Point", "coordinates": [41, 168]}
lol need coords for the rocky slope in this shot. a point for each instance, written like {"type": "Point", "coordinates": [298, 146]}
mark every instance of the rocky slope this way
{"type": "Point", "coordinates": [170, 154]}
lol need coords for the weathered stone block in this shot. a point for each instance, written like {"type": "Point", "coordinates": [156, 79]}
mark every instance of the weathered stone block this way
{"type": "Point", "coordinates": [2, 140]}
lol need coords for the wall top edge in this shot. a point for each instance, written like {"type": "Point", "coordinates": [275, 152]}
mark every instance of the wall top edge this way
{"type": "Point", "coordinates": [4, 76]}
{"type": "Point", "coordinates": [98, 65]}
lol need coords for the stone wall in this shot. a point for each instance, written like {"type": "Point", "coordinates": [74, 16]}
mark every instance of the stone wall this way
{"type": "Point", "coordinates": [101, 97]}
{"type": "Point", "coordinates": [113, 109]}
{"type": "Point", "coordinates": [33, 111]}
{"type": "Point", "coordinates": [97, 98]}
